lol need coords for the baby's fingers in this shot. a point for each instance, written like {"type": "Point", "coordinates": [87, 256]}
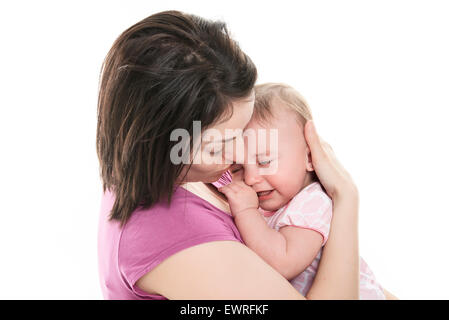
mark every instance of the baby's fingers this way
{"type": "Point", "coordinates": [224, 190]}
{"type": "Point", "coordinates": [228, 190]}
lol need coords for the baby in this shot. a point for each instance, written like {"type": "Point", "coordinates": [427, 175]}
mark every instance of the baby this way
{"type": "Point", "coordinates": [281, 209]}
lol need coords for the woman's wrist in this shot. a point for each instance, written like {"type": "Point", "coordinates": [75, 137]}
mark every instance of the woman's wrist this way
{"type": "Point", "coordinates": [346, 192]}
{"type": "Point", "coordinates": [338, 274]}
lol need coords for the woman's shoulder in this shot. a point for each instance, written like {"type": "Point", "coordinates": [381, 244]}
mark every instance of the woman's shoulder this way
{"type": "Point", "coordinates": [152, 235]}
{"type": "Point", "coordinates": [185, 213]}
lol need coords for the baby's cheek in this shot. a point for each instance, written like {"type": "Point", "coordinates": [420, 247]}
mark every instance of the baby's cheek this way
{"type": "Point", "coordinates": [290, 182]}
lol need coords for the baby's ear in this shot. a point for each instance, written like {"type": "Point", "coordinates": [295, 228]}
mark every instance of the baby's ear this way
{"type": "Point", "coordinates": [309, 165]}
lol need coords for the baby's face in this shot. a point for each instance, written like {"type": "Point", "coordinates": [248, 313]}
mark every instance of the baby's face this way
{"type": "Point", "coordinates": [289, 166]}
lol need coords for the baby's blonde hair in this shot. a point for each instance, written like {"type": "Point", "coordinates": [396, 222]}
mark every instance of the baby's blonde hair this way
{"type": "Point", "coordinates": [266, 93]}
{"type": "Point", "coordinates": [291, 99]}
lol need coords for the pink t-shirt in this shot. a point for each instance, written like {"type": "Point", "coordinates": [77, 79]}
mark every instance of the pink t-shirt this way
{"type": "Point", "coordinates": [151, 236]}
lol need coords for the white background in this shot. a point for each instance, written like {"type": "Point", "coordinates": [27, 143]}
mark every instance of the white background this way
{"type": "Point", "coordinates": [376, 74]}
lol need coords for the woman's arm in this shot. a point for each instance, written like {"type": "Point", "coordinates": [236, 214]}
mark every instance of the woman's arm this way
{"type": "Point", "coordinates": [217, 270]}
{"type": "Point", "coordinates": [338, 273]}
{"type": "Point", "coordinates": [389, 295]}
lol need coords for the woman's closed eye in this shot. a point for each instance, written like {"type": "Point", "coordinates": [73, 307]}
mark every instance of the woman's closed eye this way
{"type": "Point", "coordinates": [215, 152]}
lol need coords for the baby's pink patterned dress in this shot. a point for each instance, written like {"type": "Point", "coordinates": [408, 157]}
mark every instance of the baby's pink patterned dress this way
{"type": "Point", "coordinates": [311, 208]}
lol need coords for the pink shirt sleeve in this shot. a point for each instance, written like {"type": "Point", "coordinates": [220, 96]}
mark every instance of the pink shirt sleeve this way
{"type": "Point", "coordinates": [151, 236]}
{"type": "Point", "coordinates": [311, 209]}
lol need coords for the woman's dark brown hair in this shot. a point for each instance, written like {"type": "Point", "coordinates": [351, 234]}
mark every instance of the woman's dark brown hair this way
{"type": "Point", "coordinates": [161, 74]}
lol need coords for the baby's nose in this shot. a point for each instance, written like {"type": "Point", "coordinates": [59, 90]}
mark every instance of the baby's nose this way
{"type": "Point", "coordinates": [251, 174]}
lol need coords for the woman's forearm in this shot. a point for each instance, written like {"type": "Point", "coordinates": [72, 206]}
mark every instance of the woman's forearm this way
{"type": "Point", "coordinates": [338, 273]}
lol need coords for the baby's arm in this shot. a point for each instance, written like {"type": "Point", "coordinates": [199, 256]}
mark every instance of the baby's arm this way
{"type": "Point", "coordinates": [288, 251]}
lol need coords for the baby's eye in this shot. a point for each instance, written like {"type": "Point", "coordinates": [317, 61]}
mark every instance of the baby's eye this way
{"type": "Point", "coordinates": [264, 163]}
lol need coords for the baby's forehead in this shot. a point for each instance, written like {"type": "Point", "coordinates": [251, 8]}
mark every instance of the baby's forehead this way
{"type": "Point", "coordinates": [281, 118]}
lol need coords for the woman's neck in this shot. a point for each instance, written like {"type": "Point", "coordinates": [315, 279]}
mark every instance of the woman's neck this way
{"type": "Point", "coordinates": [216, 192]}
{"type": "Point", "coordinates": [208, 192]}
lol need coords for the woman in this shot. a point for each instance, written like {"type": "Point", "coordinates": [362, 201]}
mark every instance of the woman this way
{"type": "Point", "coordinates": [165, 231]}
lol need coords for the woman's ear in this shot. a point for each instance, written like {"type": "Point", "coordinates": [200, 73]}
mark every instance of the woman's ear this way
{"type": "Point", "coordinates": [309, 165]}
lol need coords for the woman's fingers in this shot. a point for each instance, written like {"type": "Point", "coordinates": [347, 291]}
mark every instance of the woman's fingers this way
{"type": "Point", "coordinates": [331, 173]}
{"type": "Point", "coordinates": [313, 140]}
{"type": "Point", "coordinates": [320, 146]}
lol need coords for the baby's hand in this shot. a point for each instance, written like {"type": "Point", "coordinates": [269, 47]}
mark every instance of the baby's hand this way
{"type": "Point", "coordinates": [241, 197]}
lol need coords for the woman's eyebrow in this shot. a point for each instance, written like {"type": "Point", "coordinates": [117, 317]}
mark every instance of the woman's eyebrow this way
{"type": "Point", "coordinates": [228, 139]}
{"type": "Point", "coordinates": [220, 141]}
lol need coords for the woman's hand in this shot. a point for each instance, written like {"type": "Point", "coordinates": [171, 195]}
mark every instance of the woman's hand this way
{"type": "Point", "coordinates": [338, 273]}
{"type": "Point", "coordinates": [334, 178]}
